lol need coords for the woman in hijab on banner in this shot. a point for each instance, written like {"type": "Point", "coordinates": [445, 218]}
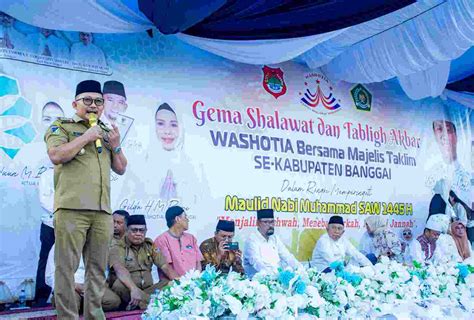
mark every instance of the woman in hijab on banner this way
{"type": "Point", "coordinates": [173, 176]}
{"type": "Point", "coordinates": [385, 241]}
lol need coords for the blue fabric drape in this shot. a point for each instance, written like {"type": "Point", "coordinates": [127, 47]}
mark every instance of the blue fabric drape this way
{"type": "Point", "coordinates": [174, 16]}
{"type": "Point", "coordinates": [263, 19]}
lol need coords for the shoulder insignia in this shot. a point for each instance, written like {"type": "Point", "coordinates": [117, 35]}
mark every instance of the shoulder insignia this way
{"type": "Point", "coordinates": [54, 129]}
{"type": "Point", "coordinates": [65, 120]}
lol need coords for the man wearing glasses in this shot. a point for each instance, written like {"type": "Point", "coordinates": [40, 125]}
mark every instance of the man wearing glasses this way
{"type": "Point", "coordinates": [132, 259]}
{"type": "Point", "coordinates": [263, 250]}
{"type": "Point", "coordinates": [82, 213]}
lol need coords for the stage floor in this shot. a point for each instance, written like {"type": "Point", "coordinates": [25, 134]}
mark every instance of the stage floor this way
{"type": "Point", "coordinates": [49, 313]}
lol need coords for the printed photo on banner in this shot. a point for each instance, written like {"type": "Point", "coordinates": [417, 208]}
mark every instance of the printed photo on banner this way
{"type": "Point", "coordinates": [451, 141]}
{"type": "Point", "coordinates": [115, 105]}
{"type": "Point", "coordinates": [67, 50]}
{"type": "Point", "coordinates": [176, 175]}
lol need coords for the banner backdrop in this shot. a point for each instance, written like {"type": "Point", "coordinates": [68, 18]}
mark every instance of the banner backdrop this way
{"type": "Point", "coordinates": [224, 139]}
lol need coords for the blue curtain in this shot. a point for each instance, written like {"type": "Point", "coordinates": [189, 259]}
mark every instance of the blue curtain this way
{"type": "Point", "coordinates": [174, 16]}
{"type": "Point", "coordinates": [263, 19]}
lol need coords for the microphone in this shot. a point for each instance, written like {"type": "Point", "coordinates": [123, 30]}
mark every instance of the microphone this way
{"type": "Point", "coordinates": [93, 123]}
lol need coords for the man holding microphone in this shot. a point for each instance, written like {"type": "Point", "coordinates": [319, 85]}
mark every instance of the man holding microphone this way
{"type": "Point", "coordinates": [83, 151]}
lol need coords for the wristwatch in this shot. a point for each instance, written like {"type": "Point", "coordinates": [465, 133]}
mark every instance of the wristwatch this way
{"type": "Point", "coordinates": [117, 150]}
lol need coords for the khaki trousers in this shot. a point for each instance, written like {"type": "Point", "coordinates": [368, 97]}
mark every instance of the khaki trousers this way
{"type": "Point", "coordinates": [110, 301]}
{"type": "Point", "coordinates": [122, 291]}
{"type": "Point", "coordinates": [87, 233]}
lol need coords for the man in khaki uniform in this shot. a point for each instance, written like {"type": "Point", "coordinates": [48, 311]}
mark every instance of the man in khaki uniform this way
{"type": "Point", "coordinates": [110, 301]}
{"type": "Point", "coordinates": [82, 219]}
{"type": "Point", "coordinates": [132, 259]}
{"type": "Point", "coordinates": [120, 222]}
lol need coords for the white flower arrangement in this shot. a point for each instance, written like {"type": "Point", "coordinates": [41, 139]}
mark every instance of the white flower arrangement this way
{"type": "Point", "coordinates": [368, 292]}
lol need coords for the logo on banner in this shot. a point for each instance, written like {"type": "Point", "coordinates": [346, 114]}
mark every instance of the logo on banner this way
{"type": "Point", "coordinates": [318, 95]}
{"type": "Point", "coordinates": [362, 98]}
{"type": "Point", "coordinates": [273, 81]}
{"type": "Point", "coordinates": [16, 129]}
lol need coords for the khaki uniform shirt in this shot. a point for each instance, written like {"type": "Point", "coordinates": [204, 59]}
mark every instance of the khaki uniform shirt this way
{"type": "Point", "coordinates": [137, 260]}
{"type": "Point", "coordinates": [210, 248]}
{"type": "Point", "coordinates": [84, 182]}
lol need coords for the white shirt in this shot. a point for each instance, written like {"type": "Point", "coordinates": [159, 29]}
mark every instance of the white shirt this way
{"type": "Point", "coordinates": [417, 253]}
{"type": "Point", "coordinates": [366, 244]}
{"type": "Point", "coordinates": [17, 39]}
{"type": "Point", "coordinates": [327, 251]}
{"type": "Point", "coordinates": [446, 250]}
{"type": "Point", "coordinates": [57, 47]}
{"type": "Point", "coordinates": [407, 258]}
{"type": "Point", "coordinates": [46, 196]}
{"type": "Point", "coordinates": [90, 54]}
{"type": "Point", "coordinates": [79, 276]}
{"type": "Point", "coordinates": [263, 255]}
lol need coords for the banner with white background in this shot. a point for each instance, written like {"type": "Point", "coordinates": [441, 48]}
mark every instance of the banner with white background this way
{"type": "Point", "coordinates": [240, 138]}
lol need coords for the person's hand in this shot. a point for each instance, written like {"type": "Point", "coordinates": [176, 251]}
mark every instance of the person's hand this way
{"type": "Point", "coordinates": [136, 295]}
{"type": "Point", "coordinates": [92, 134]}
{"type": "Point", "coordinates": [79, 287]}
{"type": "Point", "coordinates": [222, 249]}
{"type": "Point", "coordinates": [114, 137]}
{"type": "Point", "coordinates": [238, 255]}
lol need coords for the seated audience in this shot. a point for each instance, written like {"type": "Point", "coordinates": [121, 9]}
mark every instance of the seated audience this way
{"type": "Point", "coordinates": [446, 250]}
{"type": "Point", "coordinates": [131, 260]}
{"type": "Point", "coordinates": [366, 246]}
{"type": "Point", "coordinates": [406, 241]}
{"type": "Point", "coordinates": [458, 232]}
{"type": "Point", "coordinates": [459, 208]}
{"type": "Point", "coordinates": [424, 247]}
{"type": "Point", "coordinates": [385, 241]}
{"type": "Point", "coordinates": [440, 203]}
{"type": "Point", "coordinates": [216, 250]}
{"type": "Point", "coordinates": [179, 248]}
{"type": "Point", "coordinates": [264, 250]}
{"type": "Point", "coordinates": [110, 301]}
{"type": "Point", "coordinates": [332, 247]}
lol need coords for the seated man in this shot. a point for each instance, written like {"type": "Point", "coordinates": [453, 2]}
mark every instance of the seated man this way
{"type": "Point", "coordinates": [332, 247]}
{"type": "Point", "coordinates": [216, 250]}
{"type": "Point", "coordinates": [179, 248]}
{"type": "Point", "coordinates": [110, 301]}
{"type": "Point", "coordinates": [120, 222]}
{"type": "Point", "coordinates": [423, 249]}
{"type": "Point", "coordinates": [263, 250]}
{"type": "Point", "coordinates": [132, 259]}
